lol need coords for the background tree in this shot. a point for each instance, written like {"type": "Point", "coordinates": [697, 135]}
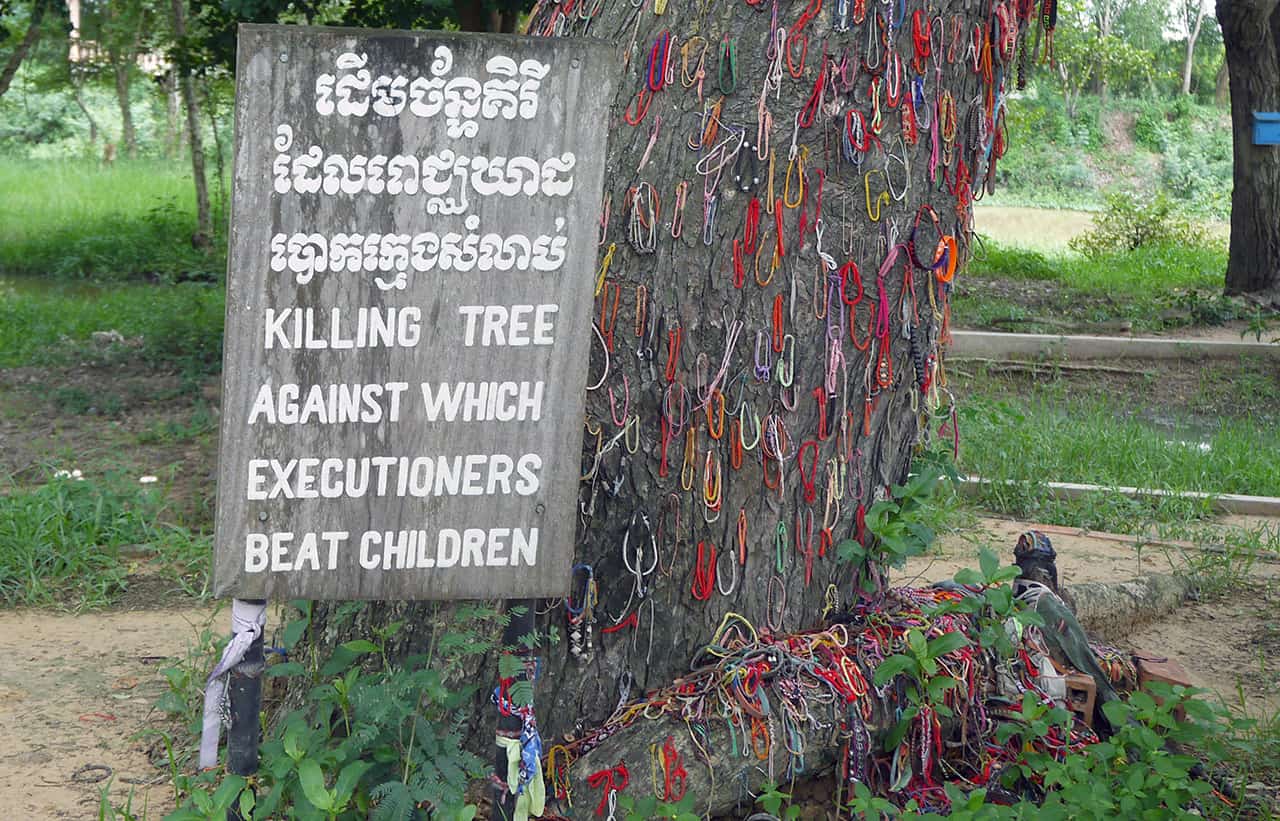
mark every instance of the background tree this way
{"type": "Point", "coordinates": [183, 65]}
{"type": "Point", "coordinates": [1251, 33]}
{"type": "Point", "coordinates": [1190, 15]}
{"type": "Point", "coordinates": [20, 47]}
{"type": "Point", "coordinates": [1086, 59]}
{"type": "Point", "coordinates": [125, 29]}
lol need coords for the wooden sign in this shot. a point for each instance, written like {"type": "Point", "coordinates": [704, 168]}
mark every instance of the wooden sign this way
{"type": "Point", "coordinates": [409, 301]}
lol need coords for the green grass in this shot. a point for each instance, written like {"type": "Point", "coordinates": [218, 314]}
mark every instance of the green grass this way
{"type": "Point", "coordinates": [65, 542]}
{"type": "Point", "coordinates": [1093, 442]}
{"type": "Point", "coordinates": [1162, 269]}
{"type": "Point", "coordinates": [180, 325]}
{"type": "Point", "coordinates": [1153, 288]}
{"type": "Point", "coordinates": [1055, 438]}
{"type": "Point", "coordinates": [76, 219]}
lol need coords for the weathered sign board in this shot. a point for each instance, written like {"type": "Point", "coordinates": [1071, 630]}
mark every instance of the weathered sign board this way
{"type": "Point", "coordinates": [409, 298]}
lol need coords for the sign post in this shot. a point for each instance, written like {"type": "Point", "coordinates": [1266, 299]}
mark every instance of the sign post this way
{"type": "Point", "coordinates": [409, 299]}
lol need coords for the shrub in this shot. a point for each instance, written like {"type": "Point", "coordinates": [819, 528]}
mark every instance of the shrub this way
{"type": "Point", "coordinates": [1133, 221]}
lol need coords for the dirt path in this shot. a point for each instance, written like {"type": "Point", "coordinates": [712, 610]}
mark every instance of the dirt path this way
{"type": "Point", "coordinates": [78, 692]}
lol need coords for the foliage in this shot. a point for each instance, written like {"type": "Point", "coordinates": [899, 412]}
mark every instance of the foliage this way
{"type": "Point", "coordinates": [901, 526]}
{"type": "Point", "coordinates": [169, 327]}
{"type": "Point", "coordinates": [62, 542]}
{"type": "Point", "coordinates": [648, 807]}
{"type": "Point", "coordinates": [133, 220]}
{"type": "Point", "coordinates": [375, 739]}
{"type": "Point", "coordinates": [1132, 222]}
{"type": "Point", "coordinates": [1140, 772]}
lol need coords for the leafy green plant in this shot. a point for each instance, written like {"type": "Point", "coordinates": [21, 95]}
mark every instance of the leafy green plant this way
{"type": "Point", "coordinates": [374, 739]}
{"type": "Point", "coordinates": [1134, 221]}
{"type": "Point", "coordinates": [992, 602]}
{"type": "Point", "coordinates": [903, 525]}
{"type": "Point", "coordinates": [1145, 770]}
{"type": "Point", "coordinates": [648, 807]}
{"type": "Point", "coordinates": [772, 800]}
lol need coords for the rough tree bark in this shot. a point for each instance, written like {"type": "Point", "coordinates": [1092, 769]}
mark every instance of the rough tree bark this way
{"type": "Point", "coordinates": [204, 222]}
{"type": "Point", "coordinates": [1251, 33]}
{"type": "Point", "coordinates": [684, 339]}
{"type": "Point", "coordinates": [24, 46]}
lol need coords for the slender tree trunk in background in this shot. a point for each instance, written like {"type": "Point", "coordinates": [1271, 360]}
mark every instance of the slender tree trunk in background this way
{"type": "Point", "coordinates": [698, 326]}
{"type": "Point", "coordinates": [204, 222]}
{"type": "Point", "coordinates": [1193, 34]}
{"type": "Point", "coordinates": [172, 123]}
{"type": "Point", "coordinates": [1251, 32]}
{"type": "Point", "coordinates": [23, 48]}
{"type": "Point", "coordinates": [78, 96]}
{"type": "Point", "coordinates": [128, 137]}
{"type": "Point", "coordinates": [1222, 85]}
{"type": "Point", "coordinates": [1186, 66]}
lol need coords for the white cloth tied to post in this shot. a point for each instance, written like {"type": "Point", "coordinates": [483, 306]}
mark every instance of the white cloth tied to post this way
{"type": "Point", "coordinates": [247, 622]}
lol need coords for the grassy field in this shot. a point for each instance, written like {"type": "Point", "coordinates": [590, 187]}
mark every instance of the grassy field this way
{"type": "Point", "coordinates": [178, 326]}
{"type": "Point", "coordinates": [1095, 442]}
{"type": "Point", "coordinates": [74, 219]}
{"type": "Point", "coordinates": [1153, 288]}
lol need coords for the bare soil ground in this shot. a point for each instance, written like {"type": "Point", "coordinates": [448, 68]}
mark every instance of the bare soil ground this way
{"type": "Point", "coordinates": [77, 714]}
{"type": "Point", "coordinates": [103, 419]}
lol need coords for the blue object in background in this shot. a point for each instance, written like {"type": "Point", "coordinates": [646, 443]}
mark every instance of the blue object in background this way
{"type": "Point", "coordinates": [1266, 128]}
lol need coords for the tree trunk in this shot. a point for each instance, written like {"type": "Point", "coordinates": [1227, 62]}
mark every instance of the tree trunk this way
{"type": "Point", "coordinates": [23, 48]}
{"type": "Point", "coordinates": [1186, 66]}
{"type": "Point", "coordinates": [1221, 85]}
{"type": "Point", "coordinates": [128, 137]}
{"type": "Point", "coordinates": [78, 96]}
{"type": "Point", "coordinates": [204, 223]}
{"type": "Point", "coordinates": [1193, 34]}
{"type": "Point", "coordinates": [173, 125]}
{"type": "Point", "coordinates": [694, 359]}
{"type": "Point", "coordinates": [1250, 31]}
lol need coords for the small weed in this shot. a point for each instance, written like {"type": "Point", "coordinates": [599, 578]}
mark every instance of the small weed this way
{"type": "Point", "coordinates": [201, 422]}
{"type": "Point", "coordinates": [108, 810]}
{"type": "Point", "coordinates": [1259, 326]}
{"type": "Point", "coordinates": [64, 542]}
{"type": "Point", "coordinates": [78, 402]}
{"type": "Point", "coordinates": [1226, 557]}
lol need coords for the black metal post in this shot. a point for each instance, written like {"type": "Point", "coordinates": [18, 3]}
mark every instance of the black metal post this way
{"type": "Point", "coordinates": [244, 693]}
{"type": "Point", "coordinates": [520, 625]}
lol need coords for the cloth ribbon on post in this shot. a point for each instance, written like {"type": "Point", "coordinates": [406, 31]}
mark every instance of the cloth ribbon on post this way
{"type": "Point", "coordinates": [247, 623]}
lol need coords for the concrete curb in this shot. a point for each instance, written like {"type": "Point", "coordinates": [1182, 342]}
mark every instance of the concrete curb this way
{"type": "Point", "coordinates": [1049, 346]}
{"type": "Point", "coordinates": [1221, 502]}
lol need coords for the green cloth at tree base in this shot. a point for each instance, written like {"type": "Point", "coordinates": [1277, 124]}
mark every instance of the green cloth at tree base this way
{"type": "Point", "coordinates": [1068, 643]}
{"type": "Point", "coordinates": [533, 800]}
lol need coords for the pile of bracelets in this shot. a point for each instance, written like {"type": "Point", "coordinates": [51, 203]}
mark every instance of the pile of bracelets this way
{"type": "Point", "coordinates": [774, 690]}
